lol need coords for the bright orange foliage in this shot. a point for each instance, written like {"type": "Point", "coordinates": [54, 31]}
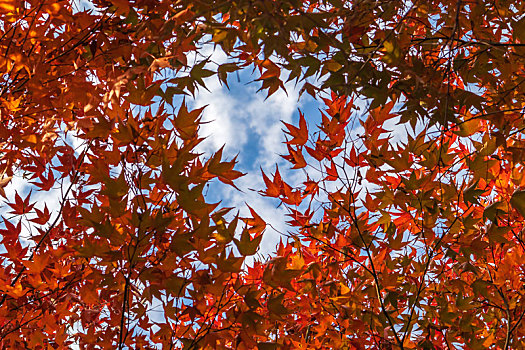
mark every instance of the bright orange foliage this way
{"type": "Point", "coordinates": [406, 233]}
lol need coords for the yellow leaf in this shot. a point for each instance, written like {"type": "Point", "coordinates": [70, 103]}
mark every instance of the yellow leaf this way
{"type": "Point", "coordinates": [219, 35]}
{"type": "Point", "coordinates": [297, 262]}
{"type": "Point", "coordinates": [7, 6]}
{"type": "Point", "coordinates": [332, 65]}
{"type": "Point", "coordinates": [12, 104]}
{"type": "Point", "coordinates": [468, 127]}
{"type": "Point", "coordinates": [30, 138]}
{"type": "Point", "coordinates": [16, 292]}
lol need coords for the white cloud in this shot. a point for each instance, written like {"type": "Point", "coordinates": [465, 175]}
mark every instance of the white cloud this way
{"type": "Point", "coordinates": [223, 124]}
{"type": "Point", "coordinates": [240, 119]}
{"type": "Point", "coordinates": [249, 125]}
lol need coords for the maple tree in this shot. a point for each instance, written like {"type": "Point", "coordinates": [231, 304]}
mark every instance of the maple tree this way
{"type": "Point", "coordinates": [395, 242]}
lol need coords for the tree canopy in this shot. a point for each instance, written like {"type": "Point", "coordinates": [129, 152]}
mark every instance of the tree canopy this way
{"type": "Point", "coordinates": [409, 243]}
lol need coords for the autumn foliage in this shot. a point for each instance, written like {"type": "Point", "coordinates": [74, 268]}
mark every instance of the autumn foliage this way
{"type": "Point", "coordinates": [405, 230]}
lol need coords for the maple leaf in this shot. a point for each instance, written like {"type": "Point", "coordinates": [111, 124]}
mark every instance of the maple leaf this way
{"type": "Point", "coordinates": [223, 170]}
{"type": "Point", "coordinates": [20, 206]}
{"type": "Point", "coordinates": [198, 72]}
{"type": "Point", "coordinates": [331, 172]}
{"type": "Point", "coordinates": [295, 157]}
{"type": "Point", "coordinates": [246, 245]}
{"type": "Point", "coordinates": [256, 223]}
{"type": "Point", "coordinates": [46, 183]}
{"type": "Point", "coordinates": [299, 134]}
{"type": "Point", "coordinates": [273, 188]}
{"type": "Point", "coordinates": [187, 122]}
{"type": "Point", "coordinates": [42, 216]}
{"type": "Point", "coordinates": [11, 232]}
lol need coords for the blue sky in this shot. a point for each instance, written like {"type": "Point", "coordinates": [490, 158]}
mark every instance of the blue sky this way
{"type": "Point", "coordinates": [249, 125]}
